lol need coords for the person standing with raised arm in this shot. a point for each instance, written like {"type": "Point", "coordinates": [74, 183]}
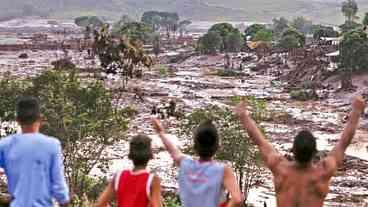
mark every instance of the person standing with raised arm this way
{"type": "Point", "coordinates": [202, 182]}
{"type": "Point", "coordinates": [302, 183]}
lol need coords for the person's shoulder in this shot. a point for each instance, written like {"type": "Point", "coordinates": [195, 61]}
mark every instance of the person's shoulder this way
{"type": "Point", "coordinates": [6, 140]}
{"type": "Point", "coordinates": [327, 166]}
{"type": "Point", "coordinates": [186, 161]}
{"type": "Point", "coordinates": [51, 140]}
{"type": "Point", "coordinates": [226, 167]}
{"type": "Point", "coordinates": [220, 164]}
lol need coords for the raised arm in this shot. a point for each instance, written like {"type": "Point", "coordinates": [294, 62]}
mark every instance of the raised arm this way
{"type": "Point", "coordinates": [106, 196]}
{"type": "Point", "coordinates": [175, 153]}
{"type": "Point", "coordinates": [269, 155]}
{"type": "Point", "coordinates": [338, 153]}
{"type": "Point", "coordinates": [232, 187]}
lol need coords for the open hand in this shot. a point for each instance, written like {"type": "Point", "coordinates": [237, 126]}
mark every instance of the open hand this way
{"type": "Point", "coordinates": [359, 103]}
{"type": "Point", "coordinates": [241, 109]}
{"type": "Point", "coordinates": [157, 126]}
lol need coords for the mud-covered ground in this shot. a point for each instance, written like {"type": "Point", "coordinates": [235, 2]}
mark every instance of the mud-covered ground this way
{"type": "Point", "coordinates": [194, 84]}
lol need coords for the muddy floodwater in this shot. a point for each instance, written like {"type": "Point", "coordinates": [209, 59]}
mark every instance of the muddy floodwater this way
{"type": "Point", "coordinates": [194, 84]}
{"type": "Point", "coordinates": [196, 88]}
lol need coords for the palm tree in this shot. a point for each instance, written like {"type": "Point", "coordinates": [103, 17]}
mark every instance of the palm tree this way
{"type": "Point", "coordinates": [349, 9]}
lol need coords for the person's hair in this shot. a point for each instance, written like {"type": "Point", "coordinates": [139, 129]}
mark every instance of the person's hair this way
{"type": "Point", "coordinates": [304, 147]}
{"type": "Point", "coordinates": [206, 140]}
{"type": "Point", "coordinates": [28, 110]}
{"type": "Point", "coordinates": [140, 151]}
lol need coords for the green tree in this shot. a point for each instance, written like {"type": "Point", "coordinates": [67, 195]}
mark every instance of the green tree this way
{"type": "Point", "coordinates": [223, 29]}
{"type": "Point", "coordinates": [119, 24]}
{"type": "Point", "coordinates": [183, 26]}
{"type": "Point", "coordinates": [353, 56]}
{"type": "Point", "coordinates": [289, 42]}
{"type": "Point", "coordinates": [349, 8]}
{"type": "Point", "coordinates": [89, 21]}
{"type": "Point", "coordinates": [135, 31]}
{"type": "Point", "coordinates": [252, 30]}
{"type": "Point", "coordinates": [235, 146]}
{"type": "Point", "coordinates": [349, 26]}
{"type": "Point", "coordinates": [279, 26]}
{"type": "Point", "coordinates": [156, 19]}
{"type": "Point", "coordinates": [292, 39]}
{"type": "Point", "coordinates": [152, 18]}
{"type": "Point", "coordinates": [210, 43]}
{"type": "Point", "coordinates": [234, 42]}
{"type": "Point", "coordinates": [365, 20]}
{"type": "Point", "coordinates": [9, 88]}
{"type": "Point", "coordinates": [264, 35]}
{"type": "Point", "coordinates": [81, 114]}
{"type": "Point", "coordinates": [170, 21]}
{"type": "Point", "coordinates": [302, 25]}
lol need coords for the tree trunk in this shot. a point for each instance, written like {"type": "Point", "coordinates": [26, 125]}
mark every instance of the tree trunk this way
{"type": "Point", "coordinates": [346, 81]}
{"type": "Point", "coordinates": [241, 174]}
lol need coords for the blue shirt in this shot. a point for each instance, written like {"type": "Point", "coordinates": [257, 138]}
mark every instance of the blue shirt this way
{"type": "Point", "coordinates": [34, 168]}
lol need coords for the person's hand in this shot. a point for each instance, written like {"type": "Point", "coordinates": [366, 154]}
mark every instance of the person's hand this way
{"type": "Point", "coordinates": [157, 126]}
{"type": "Point", "coordinates": [241, 109]}
{"type": "Point", "coordinates": [359, 103]}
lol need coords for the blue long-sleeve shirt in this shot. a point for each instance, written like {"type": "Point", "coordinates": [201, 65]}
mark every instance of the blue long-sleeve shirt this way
{"type": "Point", "coordinates": [34, 168]}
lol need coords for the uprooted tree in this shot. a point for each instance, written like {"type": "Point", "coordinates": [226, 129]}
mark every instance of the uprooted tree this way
{"type": "Point", "coordinates": [80, 114]}
{"type": "Point", "coordinates": [236, 147]}
{"type": "Point", "coordinates": [120, 55]}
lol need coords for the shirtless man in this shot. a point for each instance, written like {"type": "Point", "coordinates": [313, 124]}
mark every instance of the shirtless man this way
{"type": "Point", "coordinates": [302, 183]}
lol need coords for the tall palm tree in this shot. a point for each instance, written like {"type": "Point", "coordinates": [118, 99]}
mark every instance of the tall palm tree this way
{"type": "Point", "coordinates": [349, 9]}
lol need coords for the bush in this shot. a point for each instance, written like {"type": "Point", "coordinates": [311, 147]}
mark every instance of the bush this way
{"type": "Point", "coordinates": [228, 73]}
{"type": "Point", "coordinates": [92, 188]}
{"type": "Point", "coordinates": [81, 115]}
{"type": "Point", "coordinates": [303, 94]}
{"type": "Point", "coordinates": [163, 70]}
{"type": "Point", "coordinates": [172, 202]}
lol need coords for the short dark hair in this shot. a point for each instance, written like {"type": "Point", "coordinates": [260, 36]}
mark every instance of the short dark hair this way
{"type": "Point", "coordinates": [206, 140]}
{"type": "Point", "coordinates": [304, 147]}
{"type": "Point", "coordinates": [140, 151]}
{"type": "Point", "coordinates": [28, 110]}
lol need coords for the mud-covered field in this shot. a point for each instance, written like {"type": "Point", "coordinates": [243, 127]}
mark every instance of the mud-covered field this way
{"type": "Point", "coordinates": [194, 83]}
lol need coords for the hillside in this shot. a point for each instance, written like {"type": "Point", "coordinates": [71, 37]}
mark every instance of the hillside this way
{"type": "Point", "coordinates": [324, 11]}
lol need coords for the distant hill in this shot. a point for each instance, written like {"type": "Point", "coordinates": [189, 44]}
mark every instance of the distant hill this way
{"type": "Point", "coordinates": [324, 11]}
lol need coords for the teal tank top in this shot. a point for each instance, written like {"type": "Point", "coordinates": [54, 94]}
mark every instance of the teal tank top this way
{"type": "Point", "coordinates": [201, 183]}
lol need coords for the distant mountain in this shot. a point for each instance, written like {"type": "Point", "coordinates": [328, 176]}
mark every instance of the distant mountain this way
{"type": "Point", "coordinates": [324, 11]}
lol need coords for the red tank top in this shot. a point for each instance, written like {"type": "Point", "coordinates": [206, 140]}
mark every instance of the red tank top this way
{"type": "Point", "coordinates": [133, 189]}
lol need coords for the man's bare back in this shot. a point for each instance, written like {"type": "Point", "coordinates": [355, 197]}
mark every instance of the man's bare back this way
{"type": "Point", "coordinates": [298, 186]}
{"type": "Point", "coordinates": [302, 183]}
